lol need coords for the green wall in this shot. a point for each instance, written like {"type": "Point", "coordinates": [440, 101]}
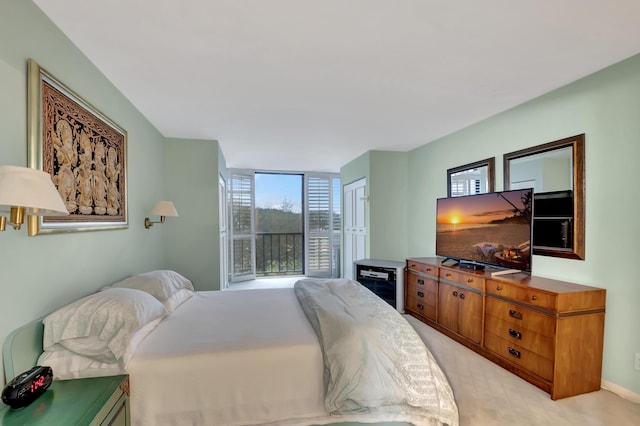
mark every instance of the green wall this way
{"type": "Point", "coordinates": [41, 273]}
{"type": "Point", "coordinates": [388, 205]}
{"type": "Point", "coordinates": [192, 240]}
{"type": "Point", "coordinates": [606, 107]}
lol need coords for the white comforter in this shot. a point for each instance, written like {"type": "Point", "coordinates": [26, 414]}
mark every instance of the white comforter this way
{"type": "Point", "coordinates": [375, 363]}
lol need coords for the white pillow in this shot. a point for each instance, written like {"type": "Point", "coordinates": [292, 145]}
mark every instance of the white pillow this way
{"type": "Point", "coordinates": [100, 326]}
{"type": "Point", "coordinates": [177, 299]}
{"type": "Point", "coordinates": [69, 365]}
{"type": "Point", "coordinates": [161, 284]}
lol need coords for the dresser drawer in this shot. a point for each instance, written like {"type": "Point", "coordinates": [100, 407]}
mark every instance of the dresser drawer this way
{"type": "Point", "coordinates": [421, 283]}
{"type": "Point", "coordinates": [468, 280]}
{"type": "Point", "coordinates": [519, 355]}
{"type": "Point", "coordinates": [424, 305]}
{"type": "Point", "coordinates": [423, 296]}
{"type": "Point", "coordinates": [530, 296]}
{"type": "Point", "coordinates": [520, 317]}
{"type": "Point", "coordinates": [521, 336]}
{"type": "Point", "coordinates": [425, 268]}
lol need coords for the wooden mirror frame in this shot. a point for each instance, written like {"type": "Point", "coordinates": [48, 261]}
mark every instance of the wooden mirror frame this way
{"type": "Point", "coordinates": [577, 145]}
{"type": "Point", "coordinates": [491, 173]}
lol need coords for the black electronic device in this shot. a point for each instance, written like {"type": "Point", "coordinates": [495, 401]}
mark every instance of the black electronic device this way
{"type": "Point", "coordinates": [486, 229]}
{"type": "Point", "coordinates": [27, 387]}
{"type": "Point", "coordinates": [471, 265]}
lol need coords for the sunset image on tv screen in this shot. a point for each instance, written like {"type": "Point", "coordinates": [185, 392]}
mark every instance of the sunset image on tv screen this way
{"type": "Point", "coordinates": [492, 228]}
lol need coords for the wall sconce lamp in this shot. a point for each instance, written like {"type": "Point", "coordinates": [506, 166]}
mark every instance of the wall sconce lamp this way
{"type": "Point", "coordinates": [162, 209]}
{"type": "Point", "coordinates": [27, 192]}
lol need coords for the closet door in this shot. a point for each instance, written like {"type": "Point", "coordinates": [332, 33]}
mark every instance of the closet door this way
{"type": "Point", "coordinates": [355, 226]}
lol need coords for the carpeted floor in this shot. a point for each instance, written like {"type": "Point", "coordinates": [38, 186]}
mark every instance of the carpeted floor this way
{"type": "Point", "coordinates": [489, 395]}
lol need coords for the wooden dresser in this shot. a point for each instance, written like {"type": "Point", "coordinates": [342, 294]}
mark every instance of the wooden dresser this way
{"type": "Point", "coordinates": [548, 332]}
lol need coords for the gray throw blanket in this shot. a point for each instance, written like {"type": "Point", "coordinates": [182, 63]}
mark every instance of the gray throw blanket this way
{"type": "Point", "coordinates": [374, 361]}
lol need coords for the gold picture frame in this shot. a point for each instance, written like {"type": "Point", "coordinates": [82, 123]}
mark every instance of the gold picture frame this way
{"type": "Point", "coordinates": [84, 151]}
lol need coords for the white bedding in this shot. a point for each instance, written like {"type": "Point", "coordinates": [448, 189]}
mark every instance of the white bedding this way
{"type": "Point", "coordinates": [234, 358]}
{"type": "Point", "coordinates": [223, 358]}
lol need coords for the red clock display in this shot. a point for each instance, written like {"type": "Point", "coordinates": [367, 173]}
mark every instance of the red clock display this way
{"type": "Point", "coordinates": [37, 384]}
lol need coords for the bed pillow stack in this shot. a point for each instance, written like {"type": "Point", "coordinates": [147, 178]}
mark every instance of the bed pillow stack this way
{"type": "Point", "coordinates": [169, 287]}
{"type": "Point", "coordinates": [98, 334]}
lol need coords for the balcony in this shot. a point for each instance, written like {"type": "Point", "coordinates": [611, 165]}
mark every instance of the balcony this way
{"type": "Point", "coordinates": [279, 253]}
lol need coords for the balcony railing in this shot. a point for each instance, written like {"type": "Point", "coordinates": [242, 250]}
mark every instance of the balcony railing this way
{"type": "Point", "coordinates": [279, 253]}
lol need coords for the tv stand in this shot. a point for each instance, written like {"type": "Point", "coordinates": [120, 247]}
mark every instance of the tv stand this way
{"type": "Point", "coordinates": [548, 332]}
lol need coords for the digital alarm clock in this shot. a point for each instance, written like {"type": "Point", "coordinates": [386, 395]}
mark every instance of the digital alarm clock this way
{"type": "Point", "coordinates": [27, 387]}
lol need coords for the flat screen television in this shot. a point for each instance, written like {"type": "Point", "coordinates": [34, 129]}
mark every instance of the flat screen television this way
{"type": "Point", "coordinates": [486, 229]}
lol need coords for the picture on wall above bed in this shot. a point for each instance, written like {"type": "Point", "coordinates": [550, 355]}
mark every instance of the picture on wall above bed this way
{"type": "Point", "coordinates": [83, 150]}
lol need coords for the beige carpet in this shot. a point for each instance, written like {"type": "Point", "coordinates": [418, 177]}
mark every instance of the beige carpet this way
{"type": "Point", "coordinates": [489, 395]}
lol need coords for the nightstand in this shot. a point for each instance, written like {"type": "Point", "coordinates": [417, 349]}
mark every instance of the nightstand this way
{"type": "Point", "coordinates": [98, 401]}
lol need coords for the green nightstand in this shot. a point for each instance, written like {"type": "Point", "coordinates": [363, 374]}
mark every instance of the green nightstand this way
{"type": "Point", "coordinates": [98, 401]}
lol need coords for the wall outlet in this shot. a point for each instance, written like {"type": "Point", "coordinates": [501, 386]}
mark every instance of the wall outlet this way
{"type": "Point", "coordinates": [636, 363]}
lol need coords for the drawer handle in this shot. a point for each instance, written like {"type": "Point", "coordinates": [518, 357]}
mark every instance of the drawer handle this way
{"type": "Point", "coordinates": [420, 281]}
{"type": "Point", "coordinates": [469, 280]}
{"type": "Point", "coordinates": [461, 295]}
{"type": "Point", "coordinates": [534, 297]}
{"type": "Point", "coordinates": [421, 294]}
{"type": "Point", "coordinates": [515, 314]}
{"type": "Point", "coordinates": [515, 334]}
{"type": "Point", "coordinates": [498, 288]}
{"type": "Point", "coordinates": [447, 275]}
{"type": "Point", "coordinates": [455, 294]}
{"type": "Point", "coordinates": [413, 265]}
{"type": "Point", "coordinates": [514, 353]}
{"type": "Point", "coordinates": [420, 306]}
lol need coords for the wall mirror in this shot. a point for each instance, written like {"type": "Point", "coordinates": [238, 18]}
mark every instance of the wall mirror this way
{"type": "Point", "coordinates": [473, 178]}
{"type": "Point", "coordinates": [555, 171]}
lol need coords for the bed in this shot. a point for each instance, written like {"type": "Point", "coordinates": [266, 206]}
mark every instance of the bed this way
{"type": "Point", "coordinates": [249, 357]}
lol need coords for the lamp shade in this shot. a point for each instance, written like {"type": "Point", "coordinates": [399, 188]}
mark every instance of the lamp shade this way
{"type": "Point", "coordinates": [30, 189]}
{"type": "Point", "coordinates": [164, 208]}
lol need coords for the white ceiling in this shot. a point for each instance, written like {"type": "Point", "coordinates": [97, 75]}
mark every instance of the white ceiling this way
{"type": "Point", "coordinates": [310, 85]}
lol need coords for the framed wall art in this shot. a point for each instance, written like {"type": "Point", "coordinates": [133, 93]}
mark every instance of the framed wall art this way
{"type": "Point", "coordinates": [84, 151]}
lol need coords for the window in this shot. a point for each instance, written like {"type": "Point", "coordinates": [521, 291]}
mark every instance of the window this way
{"type": "Point", "coordinates": [284, 224]}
